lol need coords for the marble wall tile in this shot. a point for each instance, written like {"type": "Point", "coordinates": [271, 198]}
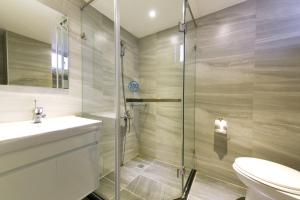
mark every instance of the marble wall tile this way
{"type": "Point", "coordinates": [224, 88]}
{"type": "Point", "coordinates": [277, 77]}
{"type": "Point", "coordinates": [98, 62]}
{"type": "Point", "coordinates": [248, 73]}
{"type": "Point", "coordinates": [161, 77]}
{"type": "Point", "coordinates": [98, 58]}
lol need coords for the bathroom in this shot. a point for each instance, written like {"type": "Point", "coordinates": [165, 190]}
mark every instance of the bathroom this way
{"type": "Point", "coordinates": [149, 99]}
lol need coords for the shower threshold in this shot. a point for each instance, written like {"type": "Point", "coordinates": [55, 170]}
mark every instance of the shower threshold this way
{"type": "Point", "coordinates": [188, 185]}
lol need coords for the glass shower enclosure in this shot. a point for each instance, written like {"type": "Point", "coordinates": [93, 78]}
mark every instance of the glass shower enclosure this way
{"type": "Point", "coordinates": [138, 78]}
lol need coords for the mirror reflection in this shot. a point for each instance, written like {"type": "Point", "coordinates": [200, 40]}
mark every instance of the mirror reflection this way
{"type": "Point", "coordinates": [33, 45]}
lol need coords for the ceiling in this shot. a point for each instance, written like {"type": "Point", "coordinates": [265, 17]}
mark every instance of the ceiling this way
{"type": "Point", "coordinates": [135, 18]}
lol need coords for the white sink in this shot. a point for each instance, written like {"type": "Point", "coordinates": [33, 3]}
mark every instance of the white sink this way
{"type": "Point", "coordinates": [27, 133]}
{"type": "Point", "coordinates": [56, 159]}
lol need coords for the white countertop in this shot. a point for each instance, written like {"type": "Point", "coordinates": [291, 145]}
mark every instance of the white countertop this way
{"type": "Point", "coordinates": [27, 130]}
{"type": "Point", "coordinates": [17, 130]}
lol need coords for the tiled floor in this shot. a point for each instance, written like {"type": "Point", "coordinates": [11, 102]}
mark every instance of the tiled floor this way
{"type": "Point", "coordinates": [145, 179]}
{"type": "Point", "coordinates": [206, 188]}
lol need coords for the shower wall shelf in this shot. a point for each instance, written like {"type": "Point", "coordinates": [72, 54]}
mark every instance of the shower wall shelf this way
{"type": "Point", "coordinates": [149, 100]}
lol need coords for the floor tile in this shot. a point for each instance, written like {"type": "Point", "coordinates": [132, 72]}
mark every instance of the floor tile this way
{"type": "Point", "coordinates": [131, 170]}
{"type": "Point", "coordinates": [164, 173]}
{"type": "Point", "coordinates": [150, 189]}
{"type": "Point", "coordinates": [146, 179]}
{"type": "Point", "coordinates": [126, 195]}
{"type": "Point", "coordinates": [206, 188]}
{"type": "Point", "coordinates": [106, 188]}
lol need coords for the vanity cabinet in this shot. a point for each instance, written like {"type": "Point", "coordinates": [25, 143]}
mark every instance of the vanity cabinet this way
{"type": "Point", "coordinates": [61, 167]}
{"type": "Point", "coordinates": [31, 182]}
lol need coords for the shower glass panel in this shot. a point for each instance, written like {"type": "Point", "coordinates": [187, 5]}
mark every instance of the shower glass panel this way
{"type": "Point", "coordinates": [152, 56]}
{"type": "Point", "coordinates": [99, 88]}
{"type": "Point", "coordinates": [190, 50]}
{"type": "Point", "coordinates": [156, 96]}
{"type": "Point", "coordinates": [189, 98]}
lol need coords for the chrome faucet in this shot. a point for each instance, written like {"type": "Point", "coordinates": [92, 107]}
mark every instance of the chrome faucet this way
{"type": "Point", "coordinates": [38, 114]}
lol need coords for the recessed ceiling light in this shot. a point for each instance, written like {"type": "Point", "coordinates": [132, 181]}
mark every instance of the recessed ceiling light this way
{"type": "Point", "coordinates": [152, 14]}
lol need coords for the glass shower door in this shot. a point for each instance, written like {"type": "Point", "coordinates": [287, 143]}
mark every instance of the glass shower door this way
{"type": "Point", "coordinates": [98, 69]}
{"type": "Point", "coordinates": [152, 57]}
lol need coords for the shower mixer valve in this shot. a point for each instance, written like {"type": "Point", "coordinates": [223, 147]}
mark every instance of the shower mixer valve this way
{"type": "Point", "coordinates": [127, 117]}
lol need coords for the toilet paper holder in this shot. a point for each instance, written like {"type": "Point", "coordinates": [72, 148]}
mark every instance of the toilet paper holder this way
{"type": "Point", "coordinates": [221, 138]}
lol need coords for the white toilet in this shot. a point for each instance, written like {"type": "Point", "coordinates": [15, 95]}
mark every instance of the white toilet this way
{"type": "Point", "coordinates": [267, 180]}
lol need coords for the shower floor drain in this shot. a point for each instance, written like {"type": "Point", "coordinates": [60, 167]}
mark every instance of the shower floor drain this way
{"type": "Point", "coordinates": [140, 166]}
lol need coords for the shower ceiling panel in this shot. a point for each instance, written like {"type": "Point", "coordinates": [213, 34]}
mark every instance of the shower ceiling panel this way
{"type": "Point", "coordinates": [135, 13]}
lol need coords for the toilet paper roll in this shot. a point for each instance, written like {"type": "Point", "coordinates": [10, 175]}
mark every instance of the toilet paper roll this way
{"type": "Point", "coordinates": [220, 126]}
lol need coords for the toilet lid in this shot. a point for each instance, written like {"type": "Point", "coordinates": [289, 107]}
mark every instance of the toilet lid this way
{"type": "Point", "coordinates": [270, 172]}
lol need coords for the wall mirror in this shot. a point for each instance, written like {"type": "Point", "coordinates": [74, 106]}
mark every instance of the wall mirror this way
{"type": "Point", "coordinates": [33, 45]}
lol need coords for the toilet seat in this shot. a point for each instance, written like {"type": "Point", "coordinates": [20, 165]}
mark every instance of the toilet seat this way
{"type": "Point", "coordinates": [279, 177]}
